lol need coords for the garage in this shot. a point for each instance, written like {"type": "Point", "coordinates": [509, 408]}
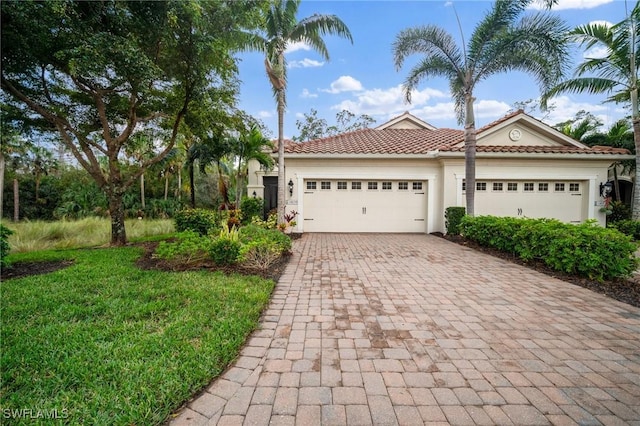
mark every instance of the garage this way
{"type": "Point", "coordinates": [364, 206]}
{"type": "Point", "coordinates": [562, 200]}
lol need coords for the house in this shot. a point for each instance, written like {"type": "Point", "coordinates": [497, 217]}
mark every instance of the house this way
{"type": "Point", "coordinates": [402, 175]}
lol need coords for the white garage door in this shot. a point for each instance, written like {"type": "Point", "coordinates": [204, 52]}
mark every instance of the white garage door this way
{"type": "Point", "coordinates": [562, 200]}
{"type": "Point", "coordinates": [365, 206]}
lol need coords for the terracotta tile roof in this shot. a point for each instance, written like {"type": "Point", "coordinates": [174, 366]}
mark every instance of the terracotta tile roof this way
{"type": "Point", "coordinates": [387, 141]}
{"type": "Point", "coordinates": [525, 149]}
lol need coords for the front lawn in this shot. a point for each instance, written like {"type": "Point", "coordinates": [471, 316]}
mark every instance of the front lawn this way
{"type": "Point", "coordinates": [103, 342]}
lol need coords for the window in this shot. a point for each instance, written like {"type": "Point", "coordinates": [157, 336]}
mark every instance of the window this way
{"type": "Point", "coordinates": [464, 185]}
{"type": "Point", "coordinates": [403, 186]}
{"type": "Point", "coordinates": [574, 187]}
{"type": "Point", "coordinates": [481, 186]}
{"type": "Point", "coordinates": [356, 185]}
{"type": "Point", "coordinates": [325, 185]}
{"type": "Point", "coordinates": [372, 185]}
{"type": "Point", "coordinates": [543, 187]}
{"type": "Point", "coordinates": [311, 185]}
{"type": "Point", "coordinates": [512, 187]}
{"type": "Point", "coordinates": [417, 186]}
{"type": "Point", "coordinates": [528, 187]}
{"type": "Point", "coordinates": [342, 185]}
{"type": "Point", "coordinates": [386, 186]}
{"type": "Point", "coordinates": [559, 187]}
{"type": "Point", "coordinates": [497, 186]}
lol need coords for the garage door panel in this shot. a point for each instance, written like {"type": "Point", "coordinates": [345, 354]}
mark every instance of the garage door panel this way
{"type": "Point", "coordinates": [364, 210]}
{"type": "Point", "coordinates": [541, 200]}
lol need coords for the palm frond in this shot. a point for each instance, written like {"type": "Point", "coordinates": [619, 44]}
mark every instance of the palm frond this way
{"type": "Point", "coordinates": [432, 66]}
{"type": "Point", "coordinates": [311, 30]}
{"type": "Point", "coordinates": [428, 40]}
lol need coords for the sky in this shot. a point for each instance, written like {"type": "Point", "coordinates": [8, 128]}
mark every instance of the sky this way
{"type": "Point", "coordinates": [361, 77]}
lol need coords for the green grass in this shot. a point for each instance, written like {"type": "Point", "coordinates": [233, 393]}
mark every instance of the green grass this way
{"type": "Point", "coordinates": [112, 344]}
{"type": "Point", "coordinates": [89, 232]}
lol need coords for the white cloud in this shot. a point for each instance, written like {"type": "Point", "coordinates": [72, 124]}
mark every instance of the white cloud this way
{"type": "Point", "coordinates": [299, 115]}
{"type": "Point", "coordinates": [345, 83]}
{"type": "Point", "coordinates": [571, 4]}
{"type": "Point", "coordinates": [596, 53]}
{"type": "Point", "coordinates": [305, 63]}
{"type": "Point", "coordinates": [387, 101]}
{"type": "Point", "coordinates": [298, 45]}
{"type": "Point", "coordinates": [491, 109]}
{"type": "Point", "coordinates": [308, 95]}
{"type": "Point", "coordinates": [264, 114]}
{"type": "Point", "coordinates": [565, 108]}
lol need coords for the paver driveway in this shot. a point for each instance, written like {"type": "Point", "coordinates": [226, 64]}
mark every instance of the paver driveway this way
{"type": "Point", "coordinates": [411, 329]}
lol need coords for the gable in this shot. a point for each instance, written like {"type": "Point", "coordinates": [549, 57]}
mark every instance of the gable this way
{"type": "Point", "coordinates": [406, 121]}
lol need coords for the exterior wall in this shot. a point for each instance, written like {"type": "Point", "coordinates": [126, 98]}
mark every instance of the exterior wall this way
{"type": "Point", "coordinates": [427, 170]}
{"type": "Point", "coordinates": [589, 173]}
{"type": "Point", "coordinates": [528, 137]}
{"type": "Point", "coordinates": [254, 177]}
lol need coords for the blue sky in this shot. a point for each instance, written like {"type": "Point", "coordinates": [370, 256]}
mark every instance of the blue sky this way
{"type": "Point", "coordinates": [361, 76]}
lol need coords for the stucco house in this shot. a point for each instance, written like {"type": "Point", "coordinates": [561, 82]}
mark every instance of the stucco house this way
{"type": "Point", "coordinates": [400, 176]}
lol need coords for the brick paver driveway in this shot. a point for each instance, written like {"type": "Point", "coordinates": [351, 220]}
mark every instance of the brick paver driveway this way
{"type": "Point", "coordinates": [411, 329]}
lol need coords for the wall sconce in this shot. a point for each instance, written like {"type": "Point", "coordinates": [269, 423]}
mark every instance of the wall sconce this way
{"type": "Point", "coordinates": [290, 185]}
{"type": "Point", "coordinates": [605, 189]}
{"type": "Point", "coordinates": [254, 194]}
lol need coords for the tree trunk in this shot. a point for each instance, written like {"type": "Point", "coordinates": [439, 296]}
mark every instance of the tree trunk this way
{"type": "Point", "coordinates": [179, 189]}
{"type": "Point", "coordinates": [142, 191]}
{"type": "Point", "coordinates": [116, 211]}
{"type": "Point", "coordinates": [192, 187]}
{"type": "Point", "coordinates": [238, 186]}
{"type": "Point", "coordinates": [635, 207]}
{"type": "Point", "coordinates": [1, 185]}
{"type": "Point", "coordinates": [166, 186]}
{"type": "Point", "coordinates": [616, 182]}
{"type": "Point", "coordinates": [16, 200]}
{"type": "Point", "coordinates": [281, 175]}
{"type": "Point", "coordinates": [470, 154]}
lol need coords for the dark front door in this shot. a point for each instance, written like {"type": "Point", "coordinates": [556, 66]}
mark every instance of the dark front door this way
{"type": "Point", "coordinates": [270, 194]}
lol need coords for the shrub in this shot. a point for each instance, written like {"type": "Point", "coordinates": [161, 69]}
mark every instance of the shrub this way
{"type": "Point", "coordinates": [252, 233]}
{"type": "Point", "coordinates": [234, 218]}
{"type": "Point", "coordinates": [628, 227]}
{"type": "Point", "coordinates": [189, 247]}
{"type": "Point", "coordinates": [198, 220]}
{"type": "Point", "coordinates": [4, 245]}
{"type": "Point", "coordinates": [619, 211]}
{"type": "Point", "coordinates": [225, 251]}
{"type": "Point", "coordinates": [270, 223]}
{"type": "Point", "coordinates": [586, 250]}
{"type": "Point", "coordinates": [251, 207]}
{"type": "Point", "coordinates": [453, 216]}
{"type": "Point", "coordinates": [260, 254]}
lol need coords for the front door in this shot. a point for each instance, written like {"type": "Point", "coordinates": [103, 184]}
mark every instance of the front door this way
{"type": "Point", "coordinates": [270, 194]}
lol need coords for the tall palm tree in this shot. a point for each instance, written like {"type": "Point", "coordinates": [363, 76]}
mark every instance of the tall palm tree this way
{"type": "Point", "coordinates": [505, 40]}
{"type": "Point", "coordinates": [615, 74]}
{"type": "Point", "coordinates": [280, 29]}
{"type": "Point", "coordinates": [250, 146]}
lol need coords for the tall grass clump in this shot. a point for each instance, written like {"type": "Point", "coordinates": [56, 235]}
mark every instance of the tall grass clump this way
{"type": "Point", "coordinates": [87, 232]}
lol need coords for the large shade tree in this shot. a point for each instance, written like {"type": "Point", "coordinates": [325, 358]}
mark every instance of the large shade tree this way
{"type": "Point", "coordinates": [98, 72]}
{"type": "Point", "coordinates": [281, 28]}
{"type": "Point", "coordinates": [615, 73]}
{"type": "Point", "coordinates": [505, 40]}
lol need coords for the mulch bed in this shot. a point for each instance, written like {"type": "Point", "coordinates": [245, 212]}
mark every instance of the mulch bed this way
{"type": "Point", "coordinates": [27, 269]}
{"type": "Point", "coordinates": [623, 290]}
{"type": "Point", "coordinates": [148, 262]}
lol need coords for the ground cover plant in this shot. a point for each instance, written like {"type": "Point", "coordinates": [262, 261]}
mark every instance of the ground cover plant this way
{"type": "Point", "coordinates": [110, 343]}
{"type": "Point", "coordinates": [87, 232]}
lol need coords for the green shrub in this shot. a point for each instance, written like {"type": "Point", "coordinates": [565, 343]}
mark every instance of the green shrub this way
{"type": "Point", "coordinates": [252, 233]}
{"type": "Point", "coordinates": [619, 211]}
{"type": "Point", "coordinates": [251, 207]}
{"type": "Point", "coordinates": [4, 245]}
{"type": "Point", "coordinates": [453, 216]}
{"type": "Point", "coordinates": [270, 223]}
{"type": "Point", "coordinates": [198, 220]}
{"type": "Point", "coordinates": [225, 251]}
{"type": "Point", "coordinates": [628, 227]}
{"type": "Point", "coordinates": [586, 250]}
{"type": "Point", "coordinates": [189, 247]}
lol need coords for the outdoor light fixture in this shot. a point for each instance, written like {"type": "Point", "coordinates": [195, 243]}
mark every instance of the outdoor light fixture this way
{"type": "Point", "coordinates": [290, 185]}
{"type": "Point", "coordinates": [254, 194]}
{"type": "Point", "coordinates": [605, 189]}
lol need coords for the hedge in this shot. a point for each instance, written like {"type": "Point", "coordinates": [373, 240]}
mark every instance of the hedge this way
{"type": "Point", "coordinates": [453, 216]}
{"type": "Point", "coordinates": [198, 220]}
{"type": "Point", "coordinates": [585, 250]}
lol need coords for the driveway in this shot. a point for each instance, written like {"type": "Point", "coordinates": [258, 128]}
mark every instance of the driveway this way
{"type": "Point", "coordinates": [412, 329]}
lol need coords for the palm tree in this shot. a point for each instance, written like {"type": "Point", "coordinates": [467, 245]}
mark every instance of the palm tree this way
{"type": "Point", "coordinates": [280, 29]}
{"type": "Point", "coordinates": [503, 41]}
{"type": "Point", "coordinates": [615, 74]}
{"type": "Point", "coordinates": [250, 146]}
